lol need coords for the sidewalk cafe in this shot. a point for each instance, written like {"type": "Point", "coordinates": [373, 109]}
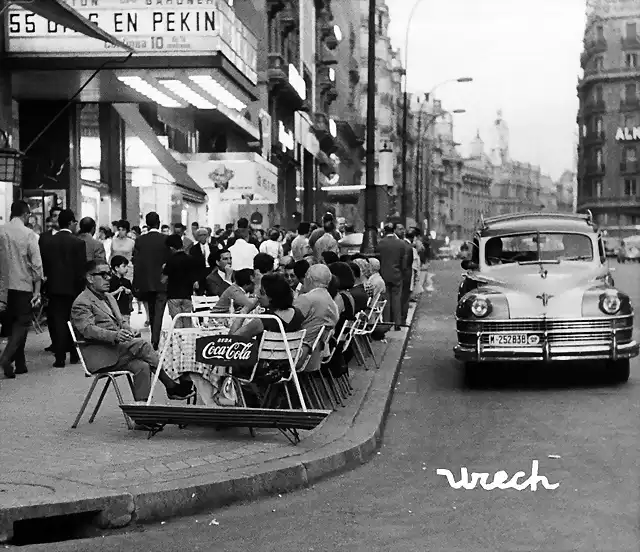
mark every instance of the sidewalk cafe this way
{"type": "Point", "coordinates": [275, 380]}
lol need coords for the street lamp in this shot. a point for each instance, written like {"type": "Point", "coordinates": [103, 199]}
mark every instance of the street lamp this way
{"type": "Point", "coordinates": [421, 136]}
{"type": "Point", "coordinates": [405, 115]}
{"type": "Point", "coordinates": [370, 237]}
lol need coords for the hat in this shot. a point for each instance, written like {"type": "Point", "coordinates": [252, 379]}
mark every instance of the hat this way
{"type": "Point", "coordinates": [66, 218]}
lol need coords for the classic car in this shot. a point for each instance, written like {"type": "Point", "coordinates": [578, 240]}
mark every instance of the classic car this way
{"type": "Point", "coordinates": [629, 250]}
{"type": "Point", "coordinates": [538, 288]}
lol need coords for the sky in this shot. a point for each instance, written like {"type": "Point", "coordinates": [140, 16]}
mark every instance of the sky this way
{"type": "Point", "coordinates": [524, 58]}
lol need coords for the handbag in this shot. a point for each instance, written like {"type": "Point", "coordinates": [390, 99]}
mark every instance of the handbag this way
{"type": "Point", "coordinates": [226, 395]}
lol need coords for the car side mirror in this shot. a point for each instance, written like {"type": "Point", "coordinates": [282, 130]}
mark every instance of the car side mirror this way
{"type": "Point", "coordinates": [469, 265]}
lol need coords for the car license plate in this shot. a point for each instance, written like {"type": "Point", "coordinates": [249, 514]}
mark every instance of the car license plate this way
{"type": "Point", "coordinates": [513, 340]}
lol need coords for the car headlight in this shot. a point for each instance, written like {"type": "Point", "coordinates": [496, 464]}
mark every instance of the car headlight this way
{"type": "Point", "coordinates": [480, 307]}
{"type": "Point", "coordinates": [610, 302]}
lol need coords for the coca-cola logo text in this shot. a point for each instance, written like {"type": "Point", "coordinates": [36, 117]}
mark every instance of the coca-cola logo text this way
{"type": "Point", "coordinates": [220, 350]}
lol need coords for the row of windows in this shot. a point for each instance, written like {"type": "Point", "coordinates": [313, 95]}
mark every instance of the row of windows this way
{"type": "Point", "coordinates": [629, 155]}
{"type": "Point", "coordinates": [630, 32]}
{"type": "Point", "coordinates": [628, 60]}
{"type": "Point", "coordinates": [616, 219]}
{"type": "Point", "coordinates": [629, 187]}
{"type": "Point", "coordinates": [629, 93]}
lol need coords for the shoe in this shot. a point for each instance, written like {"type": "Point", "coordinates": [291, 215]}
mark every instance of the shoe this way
{"type": "Point", "coordinates": [74, 359]}
{"type": "Point", "coordinates": [58, 364]}
{"type": "Point", "coordinates": [21, 370]}
{"type": "Point", "coordinates": [181, 392]}
{"type": "Point", "coordinates": [397, 329]}
{"type": "Point", "coordinates": [9, 372]}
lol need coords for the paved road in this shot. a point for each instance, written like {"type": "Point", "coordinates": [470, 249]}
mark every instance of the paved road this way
{"type": "Point", "coordinates": [583, 432]}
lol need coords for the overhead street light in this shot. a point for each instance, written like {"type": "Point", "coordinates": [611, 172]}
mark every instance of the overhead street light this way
{"type": "Point", "coordinates": [405, 115]}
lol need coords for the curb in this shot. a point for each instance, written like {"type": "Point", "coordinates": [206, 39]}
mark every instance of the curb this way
{"type": "Point", "coordinates": [156, 502]}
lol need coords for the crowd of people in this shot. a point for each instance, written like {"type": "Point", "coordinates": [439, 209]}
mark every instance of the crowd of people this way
{"type": "Point", "coordinates": [96, 282]}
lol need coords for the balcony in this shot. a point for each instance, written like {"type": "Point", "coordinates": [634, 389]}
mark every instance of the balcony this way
{"type": "Point", "coordinates": [592, 47]}
{"type": "Point", "coordinates": [594, 138]}
{"type": "Point", "coordinates": [594, 107]}
{"type": "Point", "coordinates": [630, 42]}
{"type": "Point", "coordinates": [595, 169]}
{"type": "Point", "coordinates": [327, 87]}
{"type": "Point", "coordinates": [275, 6]}
{"type": "Point", "coordinates": [278, 77]}
{"type": "Point", "coordinates": [353, 129]}
{"type": "Point", "coordinates": [322, 130]}
{"type": "Point", "coordinates": [326, 57]}
{"type": "Point", "coordinates": [288, 17]}
{"type": "Point", "coordinates": [629, 167]}
{"type": "Point", "coordinates": [631, 104]}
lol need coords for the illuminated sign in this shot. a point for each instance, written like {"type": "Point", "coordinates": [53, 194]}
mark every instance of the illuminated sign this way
{"type": "Point", "coordinates": [628, 134]}
{"type": "Point", "coordinates": [297, 82]}
{"type": "Point", "coordinates": [285, 137]}
{"type": "Point", "coordinates": [151, 27]}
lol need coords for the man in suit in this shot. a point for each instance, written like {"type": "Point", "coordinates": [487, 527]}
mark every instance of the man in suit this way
{"type": "Point", "coordinates": [110, 343]}
{"type": "Point", "coordinates": [63, 260]}
{"type": "Point", "coordinates": [95, 248]}
{"type": "Point", "coordinates": [150, 253]}
{"type": "Point", "coordinates": [219, 279]}
{"type": "Point", "coordinates": [405, 298]}
{"type": "Point", "coordinates": [393, 269]}
{"type": "Point", "coordinates": [200, 251]}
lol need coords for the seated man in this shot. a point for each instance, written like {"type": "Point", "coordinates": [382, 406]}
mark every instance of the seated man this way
{"type": "Point", "coordinates": [112, 345]}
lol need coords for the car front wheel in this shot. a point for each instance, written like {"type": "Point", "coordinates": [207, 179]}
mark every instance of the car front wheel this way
{"type": "Point", "coordinates": [472, 374]}
{"type": "Point", "coordinates": [619, 370]}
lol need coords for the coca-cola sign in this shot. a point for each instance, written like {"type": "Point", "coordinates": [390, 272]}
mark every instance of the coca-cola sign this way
{"type": "Point", "coordinates": [227, 350]}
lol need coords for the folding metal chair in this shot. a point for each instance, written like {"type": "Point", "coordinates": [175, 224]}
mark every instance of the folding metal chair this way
{"type": "Point", "coordinates": [340, 386]}
{"type": "Point", "coordinates": [369, 322]}
{"type": "Point", "coordinates": [202, 303]}
{"type": "Point", "coordinates": [312, 379]}
{"type": "Point", "coordinates": [109, 377]}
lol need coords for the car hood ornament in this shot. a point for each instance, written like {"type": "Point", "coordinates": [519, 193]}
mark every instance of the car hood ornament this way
{"type": "Point", "coordinates": [544, 298]}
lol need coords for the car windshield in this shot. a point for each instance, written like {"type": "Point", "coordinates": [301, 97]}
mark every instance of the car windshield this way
{"type": "Point", "coordinates": [536, 247]}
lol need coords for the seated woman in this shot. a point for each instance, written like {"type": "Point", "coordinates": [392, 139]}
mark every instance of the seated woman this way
{"type": "Point", "coordinates": [276, 296]}
{"type": "Point", "coordinates": [344, 299]}
{"type": "Point", "coordinates": [358, 292]}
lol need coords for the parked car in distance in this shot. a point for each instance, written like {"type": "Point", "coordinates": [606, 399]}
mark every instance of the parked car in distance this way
{"type": "Point", "coordinates": [612, 246]}
{"type": "Point", "coordinates": [538, 289]}
{"type": "Point", "coordinates": [629, 250]}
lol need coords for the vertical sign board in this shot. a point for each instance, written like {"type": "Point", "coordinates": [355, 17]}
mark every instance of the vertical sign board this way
{"type": "Point", "coordinates": [151, 27]}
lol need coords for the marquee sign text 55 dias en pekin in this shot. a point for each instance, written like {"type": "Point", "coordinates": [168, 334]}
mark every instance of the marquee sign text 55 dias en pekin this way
{"type": "Point", "coordinates": [151, 27]}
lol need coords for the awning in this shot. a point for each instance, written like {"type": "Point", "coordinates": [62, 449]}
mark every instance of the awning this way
{"type": "Point", "coordinates": [61, 13]}
{"type": "Point", "coordinates": [137, 124]}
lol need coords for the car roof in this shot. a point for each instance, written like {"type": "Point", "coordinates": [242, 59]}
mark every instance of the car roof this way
{"type": "Point", "coordinates": [535, 222]}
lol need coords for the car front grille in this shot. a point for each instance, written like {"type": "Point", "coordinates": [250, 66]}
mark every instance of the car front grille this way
{"type": "Point", "coordinates": [559, 332]}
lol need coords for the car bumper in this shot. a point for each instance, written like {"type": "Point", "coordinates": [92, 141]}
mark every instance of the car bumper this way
{"type": "Point", "coordinates": [557, 340]}
{"type": "Point", "coordinates": [545, 353]}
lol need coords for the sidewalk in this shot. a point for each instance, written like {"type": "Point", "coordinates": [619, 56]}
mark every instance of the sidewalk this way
{"type": "Point", "coordinates": [49, 469]}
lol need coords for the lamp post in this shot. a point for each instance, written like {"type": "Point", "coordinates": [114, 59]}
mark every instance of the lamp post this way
{"type": "Point", "coordinates": [370, 237]}
{"type": "Point", "coordinates": [421, 137]}
{"type": "Point", "coordinates": [405, 115]}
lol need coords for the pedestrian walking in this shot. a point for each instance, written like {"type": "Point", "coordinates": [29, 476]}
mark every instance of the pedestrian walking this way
{"type": "Point", "coordinates": [150, 254]}
{"type": "Point", "coordinates": [20, 281]}
{"type": "Point", "coordinates": [63, 261]}
{"type": "Point", "coordinates": [182, 272]}
{"type": "Point", "coordinates": [95, 248]}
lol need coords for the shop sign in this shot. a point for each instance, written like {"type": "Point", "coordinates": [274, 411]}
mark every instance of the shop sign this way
{"type": "Point", "coordinates": [235, 178]}
{"type": "Point", "coordinates": [151, 27]}
{"type": "Point", "coordinates": [285, 137]}
{"type": "Point", "coordinates": [628, 134]}
{"type": "Point", "coordinates": [296, 80]}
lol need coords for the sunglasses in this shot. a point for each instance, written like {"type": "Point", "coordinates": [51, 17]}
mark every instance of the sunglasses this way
{"type": "Point", "coordinates": [105, 275]}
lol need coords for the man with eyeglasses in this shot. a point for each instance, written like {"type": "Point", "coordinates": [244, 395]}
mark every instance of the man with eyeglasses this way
{"type": "Point", "coordinates": [111, 344]}
{"type": "Point", "coordinates": [19, 285]}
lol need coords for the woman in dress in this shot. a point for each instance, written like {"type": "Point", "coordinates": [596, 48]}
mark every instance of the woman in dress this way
{"type": "Point", "coordinates": [121, 244]}
{"type": "Point", "coordinates": [105, 235]}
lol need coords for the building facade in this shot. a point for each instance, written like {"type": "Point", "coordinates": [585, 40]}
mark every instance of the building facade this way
{"type": "Point", "coordinates": [609, 115]}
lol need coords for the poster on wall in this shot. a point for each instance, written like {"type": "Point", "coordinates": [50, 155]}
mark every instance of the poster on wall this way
{"type": "Point", "coordinates": [239, 178]}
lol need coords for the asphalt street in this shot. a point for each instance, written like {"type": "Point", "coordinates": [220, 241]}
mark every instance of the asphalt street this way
{"type": "Point", "coordinates": [583, 431]}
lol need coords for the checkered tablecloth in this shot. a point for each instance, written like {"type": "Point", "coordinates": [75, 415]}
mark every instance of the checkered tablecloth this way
{"type": "Point", "coordinates": [181, 355]}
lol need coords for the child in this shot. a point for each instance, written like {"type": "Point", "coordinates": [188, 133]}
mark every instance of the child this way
{"type": "Point", "coordinates": [120, 286]}
{"type": "Point", "coordinates": [182, 271]}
